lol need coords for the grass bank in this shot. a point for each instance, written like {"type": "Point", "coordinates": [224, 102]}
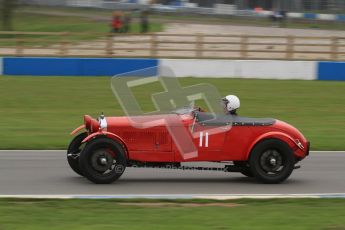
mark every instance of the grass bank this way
{"type": "Point", "coordinates": [39, 112]}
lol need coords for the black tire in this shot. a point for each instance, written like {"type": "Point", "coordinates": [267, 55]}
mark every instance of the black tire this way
{"type": "Point", "coordinates": [272, 161]}
{"type": "Point", "coordinates": [73, 151]}
{"type": "Point", "coordinates": [245, 169]}
{"type": "Point", "coordinates": [103, 160]}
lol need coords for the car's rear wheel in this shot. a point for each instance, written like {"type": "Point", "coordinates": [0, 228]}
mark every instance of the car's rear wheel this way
{"type": "Point", "coordinates": [272, 161]}
{"type": "Point", "coordinates": [245, 169]}
{"type": "Point", "coordinates": [73, 151]}
{"type": "Point", "coordinates": [103, 160]}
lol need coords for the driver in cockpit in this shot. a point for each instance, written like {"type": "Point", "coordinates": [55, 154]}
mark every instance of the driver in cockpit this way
{"type": "Point", "coordinates": [230, 104]}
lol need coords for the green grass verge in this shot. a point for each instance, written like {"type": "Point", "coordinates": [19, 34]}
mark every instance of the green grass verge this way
{"type": "Point", "coordinates": [114, 214]}
{"type": "Point", "coordinates": [31, 22]}
{"type": "Point", "coordinates": [50, 23]}
{"type": "Point", "coordinates": [40, 112]}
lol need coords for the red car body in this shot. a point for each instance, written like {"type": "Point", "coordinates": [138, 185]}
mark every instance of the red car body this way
{"type": "Point", "coordinates": [232, 145]}
{"type": "Point", "coordinates": [229, 138]}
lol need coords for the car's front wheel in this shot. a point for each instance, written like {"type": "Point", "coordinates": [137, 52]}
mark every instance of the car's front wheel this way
{"type": "Point", "coordinates": [103, 160]}
{"type": "Point", "coordinates": [73, 151]}
{"type": "Point", "coordinates": [272, 161]}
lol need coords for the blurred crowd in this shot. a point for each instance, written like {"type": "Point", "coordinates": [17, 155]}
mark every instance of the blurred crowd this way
{"type": "Point", "coordinates": [122, 22]}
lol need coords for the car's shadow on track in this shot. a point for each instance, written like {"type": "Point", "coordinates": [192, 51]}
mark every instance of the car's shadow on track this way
{"type": "Point", "coordinates": [186, 180]}
{"type": "Point", "coordinates": [233, 180]}
{"type": "Point", "coordinates": [196, 181]}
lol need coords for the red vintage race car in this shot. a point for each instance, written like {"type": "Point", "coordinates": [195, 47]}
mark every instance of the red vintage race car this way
{"type": "Point", "coordinates": [267, 149]}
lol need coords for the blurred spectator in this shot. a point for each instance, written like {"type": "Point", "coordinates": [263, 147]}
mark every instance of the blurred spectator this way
{"type": "Point", "coordinates": [283, 19]}
{"type": "Point", "coordinates": [117, 22]}
{"type": "Point", "coordinates": [144, 22]}
{"type": "Point", "coordinates": [127, 19]}
{"type": "Point", "coordinates": [279, 17]}
{"type": "Point", "coordinates": [258, 9]}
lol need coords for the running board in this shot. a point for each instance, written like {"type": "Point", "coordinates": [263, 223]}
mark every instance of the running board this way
{"type": "Point", "coordinates": [227, 168]}
{"type": "Point", "coordinates": [232, 168]}
{"type": "Point", "coordinates": [216, 169]}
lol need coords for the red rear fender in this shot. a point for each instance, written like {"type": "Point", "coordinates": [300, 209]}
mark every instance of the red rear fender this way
{"type": "Point", "coordinates": [276, 135]}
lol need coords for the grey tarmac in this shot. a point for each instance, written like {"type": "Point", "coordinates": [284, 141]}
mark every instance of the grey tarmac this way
{"type": "Point", "coordinates": [47, 173]}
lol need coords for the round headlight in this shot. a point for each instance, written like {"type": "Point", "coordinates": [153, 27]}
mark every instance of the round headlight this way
{"type": "Point", "coordinates": [103, 123]}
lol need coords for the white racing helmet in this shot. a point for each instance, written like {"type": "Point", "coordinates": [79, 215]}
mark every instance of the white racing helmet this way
{"type": "Point", "coordinates": [231, 103]}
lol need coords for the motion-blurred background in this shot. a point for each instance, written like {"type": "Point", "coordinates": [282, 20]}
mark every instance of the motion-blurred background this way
{"type": "Point", "coordinates": [193, 29]}
{"type": "Point", "coordinates": [284, 59]}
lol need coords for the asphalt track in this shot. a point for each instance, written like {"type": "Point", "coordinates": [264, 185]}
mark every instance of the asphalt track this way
{"type": "Point", "coordinates": [47, 173]}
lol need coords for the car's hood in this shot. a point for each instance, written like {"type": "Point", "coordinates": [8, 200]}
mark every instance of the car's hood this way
{"type": "Point", "coordinates": [148, 120]}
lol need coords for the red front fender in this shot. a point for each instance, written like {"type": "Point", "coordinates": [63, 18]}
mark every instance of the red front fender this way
{"type": "Point", "coordinates": [103, 133]}
{"type": "Point", "coordinates": [77, 130]}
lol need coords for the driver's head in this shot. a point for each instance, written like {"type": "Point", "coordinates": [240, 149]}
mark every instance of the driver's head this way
{"type": "Point", "coordinates": [231, 103]}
